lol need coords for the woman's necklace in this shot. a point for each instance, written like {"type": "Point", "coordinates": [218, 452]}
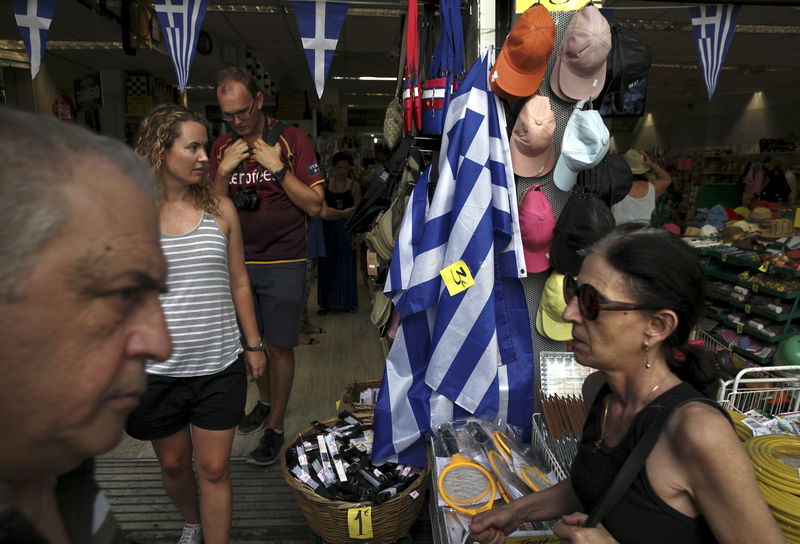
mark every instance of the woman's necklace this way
{"type": "Point", "coordinates": [603, 432]}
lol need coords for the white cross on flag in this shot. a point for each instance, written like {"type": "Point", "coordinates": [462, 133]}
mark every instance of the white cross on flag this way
{"type": "Point", "coordinates": [180, 22]}
{"type": "Point", "coordinates": [713, 27]}
{"type": "Point", "coordinates": [319, 23]}
{"type": "Point", "coordinates": [33, 18]}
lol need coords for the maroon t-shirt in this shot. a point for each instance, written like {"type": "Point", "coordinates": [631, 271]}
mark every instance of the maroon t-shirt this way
{"type": "Point", "coordinates": [276, 231]}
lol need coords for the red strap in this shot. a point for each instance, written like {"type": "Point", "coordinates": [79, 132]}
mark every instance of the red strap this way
{"type": "Point", "coordinates": [412, 105]}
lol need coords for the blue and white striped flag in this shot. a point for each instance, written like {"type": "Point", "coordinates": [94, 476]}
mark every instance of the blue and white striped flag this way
{"type": "Point", "coordinates": [468, 353]}
{"type": "Point", "coordinates": [713, 27]}
{"type": "Point", "coordinates": [319, 23]}
{"type": "Point", "coordinates": [180, 22]}
{"type": "Point", "coordinates": [33, 19]}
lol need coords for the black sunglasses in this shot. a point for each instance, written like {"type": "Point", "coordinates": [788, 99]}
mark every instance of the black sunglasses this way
{"type": "Point", "coordinates": [590, 302]}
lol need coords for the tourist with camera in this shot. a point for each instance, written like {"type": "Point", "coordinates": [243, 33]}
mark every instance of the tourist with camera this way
{"type": "Point", "coordinates": [271, 172]}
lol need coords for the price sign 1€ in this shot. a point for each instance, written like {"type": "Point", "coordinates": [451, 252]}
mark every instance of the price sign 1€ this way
{"type": "Point", "coordinates": [359, 522]}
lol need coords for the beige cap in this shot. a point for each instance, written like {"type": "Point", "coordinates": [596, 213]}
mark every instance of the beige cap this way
{"type": "Point", "coordinates": [531, 141]}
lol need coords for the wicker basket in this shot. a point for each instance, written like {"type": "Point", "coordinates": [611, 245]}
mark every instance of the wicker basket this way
{"type": "Point", "coordinates": [353, 392]}
{"type": "Point", "coordinates": [391, 520]}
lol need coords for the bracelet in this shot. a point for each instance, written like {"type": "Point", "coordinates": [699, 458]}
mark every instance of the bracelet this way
{"type": "Point", "coordinates": [259, 347]}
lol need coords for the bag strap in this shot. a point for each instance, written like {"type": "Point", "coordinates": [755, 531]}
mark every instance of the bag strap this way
{"type": "Point", "coordinates": [401, 63]}
{"type": "Point", "coordinates": [633, 465]}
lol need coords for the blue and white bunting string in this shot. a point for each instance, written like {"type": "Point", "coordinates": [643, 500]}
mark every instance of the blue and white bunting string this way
{"type": "Point", "coordinates": [713, 27]}
{"type": "Point", "coordinates": [180, 22]}
{"type": "Point", "coordinates": [33, 19]}
{"type": "Point", "coordinates": [319, 24]}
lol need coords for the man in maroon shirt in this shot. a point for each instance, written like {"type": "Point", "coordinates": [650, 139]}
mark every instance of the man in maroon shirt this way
{"type": "Point", "coordinates": [274, 187]}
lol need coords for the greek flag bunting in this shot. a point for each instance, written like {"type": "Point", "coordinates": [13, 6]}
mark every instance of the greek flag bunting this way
{"type": "Point", "coordinates": [713, 27]}
{"type": "Point", "coordinates": [180, 22]}
{"type": "Point", "coordinates": [468, 352]}
{"type": "Point", "coordinates": [33, 19]}
{"type": "Point", "coordinates": [319, 23]}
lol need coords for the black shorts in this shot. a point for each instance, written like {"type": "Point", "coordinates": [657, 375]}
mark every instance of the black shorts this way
{"type": "Point", "coordinates": [214, 402]}
{"type": "Point", "coordinates": [278, 297]}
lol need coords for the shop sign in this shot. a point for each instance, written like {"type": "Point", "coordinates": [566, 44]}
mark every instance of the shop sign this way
{"type": "Point", "coordinates": [366, 117]}
{"type": "Point", "coordinates": [89, 92]}
{"type": "Point", "coordinates": [555, 5]}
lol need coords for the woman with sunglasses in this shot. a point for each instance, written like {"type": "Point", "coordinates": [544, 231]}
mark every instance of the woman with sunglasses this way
{"type": "Point", "coordinates": [637, 297]}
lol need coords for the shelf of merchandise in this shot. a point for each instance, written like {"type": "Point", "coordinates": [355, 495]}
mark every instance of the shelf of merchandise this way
{"type": "Point", "coordinates": [724, 266]}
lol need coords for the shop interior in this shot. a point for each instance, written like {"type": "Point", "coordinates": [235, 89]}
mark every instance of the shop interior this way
{"type": "Point", "coordinates": [106, 65]}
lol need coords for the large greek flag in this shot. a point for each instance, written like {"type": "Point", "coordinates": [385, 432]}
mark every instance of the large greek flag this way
{"type": "Point", "coordinates": [180, 22]}
{"type": "Point", "coordinates": [33, 19]}
{"type": "Point", "coordinates": [319, 24]}
{"type": "Point", "coordinates": [713, 27]}
{"type": "Point", "coordinates": [467, 353]}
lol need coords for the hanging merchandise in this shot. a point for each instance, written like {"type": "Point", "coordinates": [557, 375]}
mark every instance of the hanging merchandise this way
{"type": "Point", "coordinates": [536, 224]}
{"type": "Point", "coordinates": [319, 24]}
{"type": "Point", "coordinates": [610, 180]}
{"type": "Point", "coordinates": [552, 304]}
{"type": "Point", "coordinates": [522, 61]}
{"type": "Point", "coordinates": [583, 146]}
{"type": "Point", "coordinates": [713, 29]}
{"type": "Point", "coordinates": [583, 221]}
{"type": "Point", "coordinates": [628, 64]}
{"type": "Point", "coordinates": [393, 121]}
{"type": "Point", "coordinates": [464, 342]}
{"type": "Point", "coordinates": [580, 69]}
{"type": "Point", "coordinates": [33, 19]}
{"type": "Point", "coordinates": [446, 69]}
{"type": "Point", "coordinates": [531, 141]}
{"type": "Point", "coordinates": [412, 99]}
{"type": "Point", "coordinates": [180, 25]}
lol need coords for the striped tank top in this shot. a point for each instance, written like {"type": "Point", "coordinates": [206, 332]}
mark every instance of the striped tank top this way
{"type": "Point", "coordinates": [198, 305]}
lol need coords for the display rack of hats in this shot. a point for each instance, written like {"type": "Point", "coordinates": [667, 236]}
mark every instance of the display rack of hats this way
{"type": "Point", "coordinates": [752, 300]}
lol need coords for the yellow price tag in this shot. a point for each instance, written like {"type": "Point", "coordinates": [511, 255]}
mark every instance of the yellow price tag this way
{"type": "Point", "coordinates": [747, 308]}
{"type": "Point", "coordinates": [556, 5]}
{"type": "Point", "coordinates": [764, 266]}
{"type": "Point", "coordinates": [730, 347]}
{"type": "Point", "coordinates": [338, 405]}
{"type": "Point", "coordinates": [739, 329]}
{"type": "Point", "coordinates": [724, 257]}
{"type": "Point", "coordinates": [359, 522]}
{"type": "Point", "coordinates": [457, 277]}
{"type": "Point", "coordinates": [755, 287]}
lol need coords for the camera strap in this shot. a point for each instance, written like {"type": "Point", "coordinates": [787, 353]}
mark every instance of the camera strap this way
{"type": "Point", "coordinates": [271, 136]}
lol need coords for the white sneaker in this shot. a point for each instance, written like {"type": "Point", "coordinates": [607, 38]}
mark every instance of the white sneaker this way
{"type": "Point", "coordinates": [192, 534]}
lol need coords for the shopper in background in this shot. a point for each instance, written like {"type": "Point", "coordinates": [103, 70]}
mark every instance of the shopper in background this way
{"type": "Point", "coordinates": [80, 274]}
{"type": "Point", "coordinates": [776, 189]}
{"type": "Point", "coordinates": [337, 281]}
{"type": "Point", "coordinates": [195, 399]}
{"type": "Point", "coordinates": [649, 182]}
{"type": "Point", "coordinates": [277, 187]}
{"type": "Point", "coordinates": [636, 299]}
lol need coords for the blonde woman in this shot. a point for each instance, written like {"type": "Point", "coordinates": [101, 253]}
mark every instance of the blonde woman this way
{"type": "Point", "coordinates": [195, 399]}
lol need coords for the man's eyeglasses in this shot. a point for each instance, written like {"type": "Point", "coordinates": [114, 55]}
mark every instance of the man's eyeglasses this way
{"type": "Point", "coordinates": [590, 302]}
{"type": "Point", "coordinates": [243, 115]}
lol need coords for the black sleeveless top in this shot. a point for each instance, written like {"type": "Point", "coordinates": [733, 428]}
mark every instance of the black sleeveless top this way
{"type": "Point", "coordinates": [339, 201]}
{"type": "Point", "coordinates": [640, 515]}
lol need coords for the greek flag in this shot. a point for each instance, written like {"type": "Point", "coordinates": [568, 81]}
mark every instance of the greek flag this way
{"type": "Point", "coordinates": [467, 353]}
{"type": "Point", "coordinates": [319, 23]}
{"type": "Point", "coordinates": [180, 22]}
{"type": "Point", "coordinates": [33, 19]}
{"type": "Point", "coordinates": [713, 27]}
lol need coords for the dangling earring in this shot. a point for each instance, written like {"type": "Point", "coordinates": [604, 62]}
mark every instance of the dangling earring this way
{"type": "Point", "coordinates": [647, 364]}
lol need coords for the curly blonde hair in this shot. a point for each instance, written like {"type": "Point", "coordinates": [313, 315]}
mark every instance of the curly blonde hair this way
{"type": "Point", "coordinates": [157, 132]}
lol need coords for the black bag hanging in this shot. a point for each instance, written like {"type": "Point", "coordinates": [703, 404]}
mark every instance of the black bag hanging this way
{"type": "Point", "coordinates": [378, 195]}
{"type": "Point", "coordinates": [629, 61]}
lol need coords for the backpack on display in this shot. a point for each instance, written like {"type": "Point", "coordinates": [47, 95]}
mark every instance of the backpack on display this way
{"type": "Point", "coordinates": [629, 60]}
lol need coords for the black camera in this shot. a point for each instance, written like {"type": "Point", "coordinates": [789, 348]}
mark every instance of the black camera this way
{"type": "Point", "coordinates": [247, 200]}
